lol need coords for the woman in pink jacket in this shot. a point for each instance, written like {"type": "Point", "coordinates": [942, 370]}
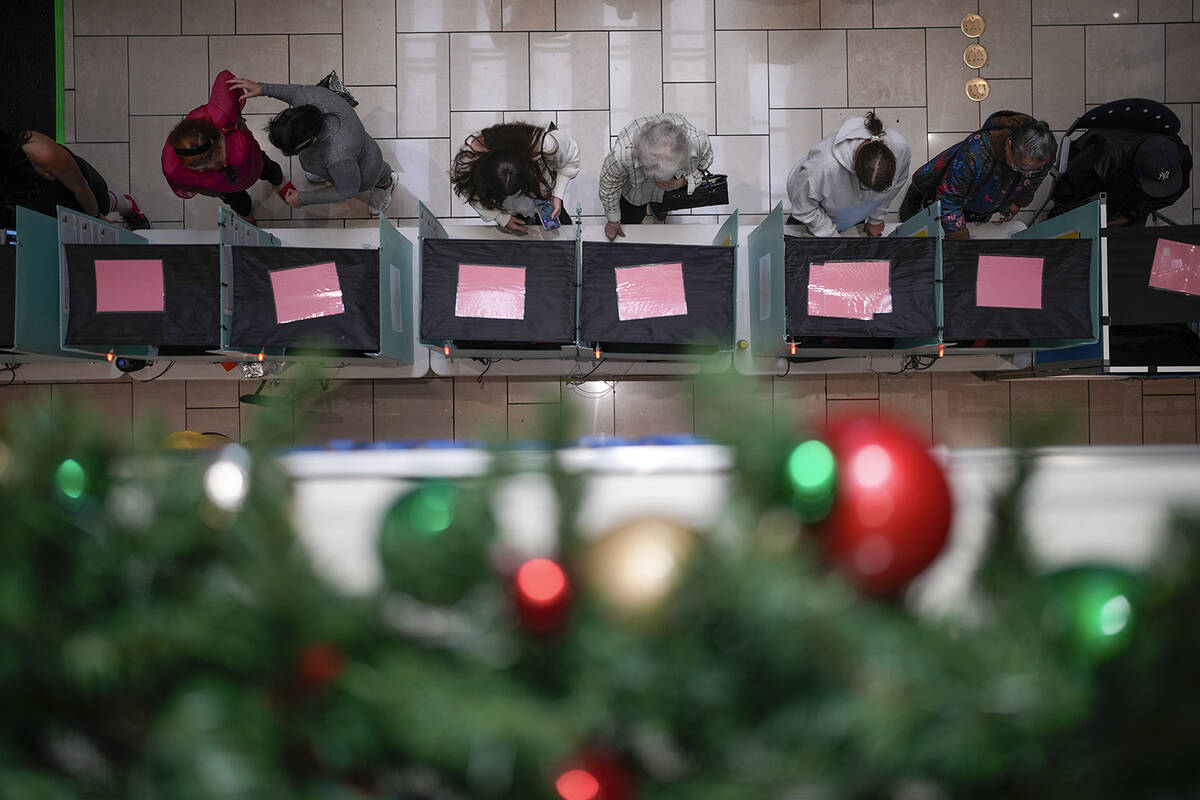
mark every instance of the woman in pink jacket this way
{"type": "Point", "coordinates": [212, 152]}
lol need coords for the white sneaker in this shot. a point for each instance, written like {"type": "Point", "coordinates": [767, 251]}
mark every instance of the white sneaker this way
{"type": "Point", "coordinates": [308, 176]}
{"type": "Point", "coordinates": [382, 198]}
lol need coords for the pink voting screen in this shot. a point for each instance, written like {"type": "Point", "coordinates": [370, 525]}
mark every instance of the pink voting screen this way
{"type": "Point", "coordinates": [849, 289]}
{"type": "Point", "coordinates": [306, 292]}
{"type": "Point", "coordinates": [1176, 267]}
{"type": "Point", "coordinates": [129, 285]}
{"type": "Point", "coordinates": [653, 290]}
{"type": "Point", "coordinates": [1009, 282]}
{"type": "Point", "coordinates": [490, 292]}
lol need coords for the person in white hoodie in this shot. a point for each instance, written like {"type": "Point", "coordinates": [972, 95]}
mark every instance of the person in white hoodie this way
{"type": "Point", "coordinates": [503, 171]}
{"type": "Point", "coordinates": [848, 178]}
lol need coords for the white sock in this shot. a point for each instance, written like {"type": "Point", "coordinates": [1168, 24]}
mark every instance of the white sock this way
{"type": "Point", "coordinates": [121, 203]}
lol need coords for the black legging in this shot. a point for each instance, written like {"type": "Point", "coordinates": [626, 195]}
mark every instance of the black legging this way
{"type": "Point", "coordinates": [56, 194]}
{"type": "Point", "coordinates": [240, 201]}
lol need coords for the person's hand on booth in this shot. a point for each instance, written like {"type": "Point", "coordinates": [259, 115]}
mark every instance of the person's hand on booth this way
{"type": "Point", "coordinates": [612, 230]}
{"type": "Point", "coordinates": [516, 226]}
{"type": "Point", "coordinates": [873, 230]}
{"type": "Point", "coordinates": [1007, 214]}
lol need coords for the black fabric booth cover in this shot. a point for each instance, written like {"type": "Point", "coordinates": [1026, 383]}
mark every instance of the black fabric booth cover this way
{"type": "Point", "coordinates": [912, 285]}
{"type": "Point", "coordinates": [354, 331]}
{"type": "Point", "coordinates": [1066, 311]}
{"type": "Point", "coordinates": [8, 294]}
{"type": "Point", "coordinates": [549, 293]}
{"type": "Point", "coordinates": [1131, 300]}
{"type": "Point", "coordinates": [191, 316]}
{"type": "Point", "coordinates": [708, 286]}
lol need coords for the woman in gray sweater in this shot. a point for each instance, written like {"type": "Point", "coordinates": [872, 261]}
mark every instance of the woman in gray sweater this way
{"type": "Point", "coordinates": [334, 148]}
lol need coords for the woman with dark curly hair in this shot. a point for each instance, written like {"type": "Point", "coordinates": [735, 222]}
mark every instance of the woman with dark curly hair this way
{"type": "Point", "coordinates": [39, 174]}
{"type": "Point", "coordinates": [504, 170]}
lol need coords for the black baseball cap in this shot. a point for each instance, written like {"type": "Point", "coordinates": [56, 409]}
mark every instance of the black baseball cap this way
{"type": "Point", "coordinates": [1159, 170]}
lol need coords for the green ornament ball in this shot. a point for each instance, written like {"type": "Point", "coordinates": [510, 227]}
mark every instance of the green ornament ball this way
{"type": "Point", "coordinates": [433, 542]}
{"type": "Point", "coordinates": [1094, 608]}
{"type": "Point", "coordinates": [811, 474]}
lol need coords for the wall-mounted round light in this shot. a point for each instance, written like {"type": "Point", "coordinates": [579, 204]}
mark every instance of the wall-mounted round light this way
{"type": "Point", "coordinates": [978, 89]}
{"type": "Point", "coordinates": [975, 56]}
{"type": "Point", "coordinates": [973, 25]}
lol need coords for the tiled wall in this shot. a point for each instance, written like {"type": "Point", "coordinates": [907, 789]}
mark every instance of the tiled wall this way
{"type": "Point", "coordinates": [954, 409]}
{"type": "Point", "coordinates": [766, 77]}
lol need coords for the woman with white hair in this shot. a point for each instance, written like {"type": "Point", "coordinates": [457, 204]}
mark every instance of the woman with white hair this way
{"type": "Point", "coordinates": [652, 154]}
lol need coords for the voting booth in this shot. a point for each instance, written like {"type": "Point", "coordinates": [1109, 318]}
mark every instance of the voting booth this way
{"type": "Point", "coordinates": [659, 301]}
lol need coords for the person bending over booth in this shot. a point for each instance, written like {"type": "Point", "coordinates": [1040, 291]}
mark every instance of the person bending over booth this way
{"type": "Point", "coordinates": [505, 170]}
{"type": "Point", "coordinates": [41, 175]}
{"type": "Point", "coordinates": [334, 148]}
{"type": "Point", "coordinates": [652, 154]}
{"type": "Point", "coordinates": [849, 177]}
{"type": "Point", "coordinates": [212, 152]}
{"type": "Point", "coordinates": [996, 169]}
{"type": "Point", "coordinates": [1140, 172]}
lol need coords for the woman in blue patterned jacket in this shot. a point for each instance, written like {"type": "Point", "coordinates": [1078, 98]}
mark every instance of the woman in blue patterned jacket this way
{"type": "Point", "coordinates": [996, 169]}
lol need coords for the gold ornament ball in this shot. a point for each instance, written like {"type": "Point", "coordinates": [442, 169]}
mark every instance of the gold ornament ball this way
{"type": "Point", "coordinates": [636, 565]}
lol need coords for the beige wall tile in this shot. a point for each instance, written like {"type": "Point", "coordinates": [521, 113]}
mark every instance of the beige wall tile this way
{"type": "Point", "coordinates": [343, 411]}
{"type": "Point", "coordinates": [886, 67]}
{"type": "Point", "coordinates": [489, 71]}
{"type": "Point", "coordinates": [146, 138]}
{"type": "Point", "coordinates": [1008, 38]}
{"type": "Point", "coordinates": [793, 132]}
{"type": "Point", "coordinates": [633, 66]}
{"type": "Point", "coordinates": [420, 409]}
{"type": "Point", "coordinates": [574, 15]}
{"type": "Point", "coordinates": [369, 51]}
{"type": "Point", "coordinates": [273, 423]}
{"type": "Point", "coordinates": [589, 129]}
{"type": "Point", "coordinates": [1169, 386]}
{"type": "Point", "coordinates": [846, 13]}
{"type": "Point", "coordinates": [377, 109]}
{"type": "Point", "coordinates": [449, 15]}
{"type": "Point", "coordinates": [754, 14]}
{"type": "Point", "coordinates": [1046, 412]}
{"type": "Point", "coordinates": [69, 116]}
{"type": "Point", "coordinates": [141, 17]}
{"type": "Point", "coordinates": [742, 82]}
{"type": "Point", "coordinates": [799, 402]}
{"type": "Point", "coordinates": [1124, 61]}
{"type": "Point", "coordinates": [588, 409]}
{"type": "Point", "coordinates": [909, 399]}
{"type": "Point", "coordinates": [110, 405]}
{"type": "Point", "coordinates": [101, 89]}
{"type": "Point", "coordinates": [688, 43]}
{"type": "Point", "coordinates": [69, 44]}
{"type": "Point", "coordinates": [528, 15]}
{"type": "Point", "coordinates": [851, 386]}
{"type": "Point", "coordinates": [298, 16]}
{"type": "Point", "coordinates": [208, 16]}
{"type": "Point", "coordinates": [17, 400]}
{"type": "Point", "coordinates": [259, 58]}
{"type": "Point", "coordinates": [1115, 408]}
{"type": "Point", "coordinates": [312, 55]}
{"type": "Point", "coordinates": [807, 68]}
{"type": "Point", "coordinates": [422, 165]}
{"type": "Point", "coordinates": [1058, 75]}
{"type": "Point", "coordinates": [949, 107]}
{"type": "Point", "coordinates": [224, 421]}
{"type": "Point", "coordinates": [540, 422]}
{"type": "Point", "coordinates": [696, 101]}
{"type": "Point", "coordinates": [111, 159]}
{"type": "Point", "coordinates": [1006, 94]}
{"type": "Point", "coordinates": [969, 412]}
{"type": "Point", "coordinates": [1168, 419]}
{"type": "Point", "coordinates": [832, 118]}
{"type": "Point", "coordinates": [212, 394]}
{"type": "Point", "coordinates": [653, 406]}
{"type": "Point", "coordinates": [746, 160]}
{"type": "Point", "coordinates": [481, 409]}
{"type": "Point", "coordinates": [837, 409]}
{"type": "Point", "coordinates": [1182, 62]}
{"type": "Point", "coordinates": [534, 390]}
{"type": "Point", "coordinates": [167, 74]}
{"type": "Point", "coordinates": [424, 97]}
{"type": "Point", "coordinates": [725, 404]}
{"type": "Point", "coordinates": [571, 70]}
{"type": "Point", "coordinates": [1075, 12]}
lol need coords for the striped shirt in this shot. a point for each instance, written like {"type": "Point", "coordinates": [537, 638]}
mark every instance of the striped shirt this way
{"type": "Point", "coordinates": [622, 175]}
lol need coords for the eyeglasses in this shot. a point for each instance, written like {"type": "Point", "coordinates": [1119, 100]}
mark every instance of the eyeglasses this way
{"type": "Point", "coordinates": [298, 148]}
{"type": "Point", "coordinates": [1010, 155]}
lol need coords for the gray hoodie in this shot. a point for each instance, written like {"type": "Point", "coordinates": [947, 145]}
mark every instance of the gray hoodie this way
{"type": "Point", "coordinates": [824, 191]}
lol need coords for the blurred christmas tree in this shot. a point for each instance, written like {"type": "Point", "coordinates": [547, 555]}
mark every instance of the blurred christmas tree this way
{"type": "Point", "coordinates": [164, 636]}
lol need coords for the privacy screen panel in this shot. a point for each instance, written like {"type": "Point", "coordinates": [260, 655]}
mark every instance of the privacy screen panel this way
{"type": "Point", "coordinates": [256, 309]}
{"type": "Point", "coordinates": [537, 283]}
{"type": "Point", "coordinates": [910, 268]}
{"type": "Point", "coordinates": [1065, 307]}
{"type": "Point", "coordinates": [8, 294]}
{"type": "Point", "coordinates": [1131, 299]}
{"type": "Point", "coordinates": [105, 279]}
{"type": "Point", "coordinates": [632, 294]}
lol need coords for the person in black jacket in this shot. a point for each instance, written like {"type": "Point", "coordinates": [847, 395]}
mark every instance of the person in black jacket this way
{"type": "Point", "coordinates": [1140, 172]}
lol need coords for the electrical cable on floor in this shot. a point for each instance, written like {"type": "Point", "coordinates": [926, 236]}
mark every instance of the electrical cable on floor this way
{"type": "Point", "coordinates": [156, 377]}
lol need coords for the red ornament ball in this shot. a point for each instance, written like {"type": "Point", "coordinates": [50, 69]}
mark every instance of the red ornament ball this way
{"type": "Point", "coordinates": [319, 665]}
{"type": "Point", "coordinates": [542, 594]}
{"type": "Point", "coordinates": [891, 510]}
{"type": "Point", "coordinates": [596, 775]}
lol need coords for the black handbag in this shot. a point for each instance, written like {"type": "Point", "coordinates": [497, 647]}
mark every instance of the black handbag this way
{"type": "Point", "coordinates": [334, 84]}
{"type": "Point", "coordinates": [713, 190]}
